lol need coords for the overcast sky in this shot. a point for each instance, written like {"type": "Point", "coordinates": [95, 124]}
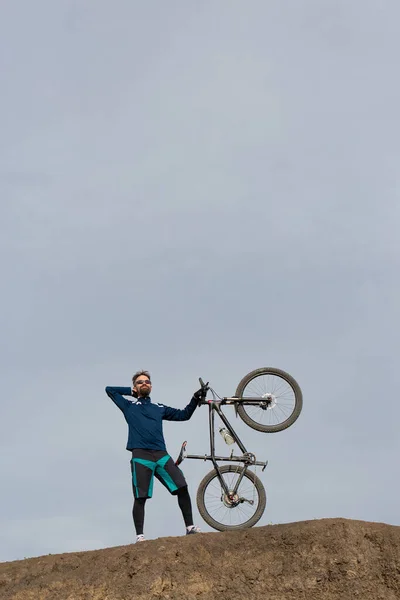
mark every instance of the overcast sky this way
{"type": "Point", "coordinates": [200, 189]}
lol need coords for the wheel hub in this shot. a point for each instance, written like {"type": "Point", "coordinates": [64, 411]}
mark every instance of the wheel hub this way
{"type": "Point", "coordinates": [270, 400]}
{"type": "Point", "coordinates": [230, 499]}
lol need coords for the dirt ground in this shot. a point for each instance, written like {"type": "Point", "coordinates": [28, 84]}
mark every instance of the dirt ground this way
{"type": "Point", "coordinates": [325, 559]}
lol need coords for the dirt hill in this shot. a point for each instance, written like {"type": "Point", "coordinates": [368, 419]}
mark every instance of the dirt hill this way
{"type": "Point", "coordinates": [326, 559]}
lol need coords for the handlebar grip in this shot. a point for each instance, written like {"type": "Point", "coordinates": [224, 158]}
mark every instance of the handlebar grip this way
{"type": "Point", "coordinates": [201, 382]}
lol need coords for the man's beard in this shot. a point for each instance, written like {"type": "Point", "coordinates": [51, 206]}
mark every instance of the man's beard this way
{"type": "Point", "coordinates": [145, 392]}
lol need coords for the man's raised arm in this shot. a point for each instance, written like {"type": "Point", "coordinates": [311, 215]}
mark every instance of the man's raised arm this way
{"type": "Point", "coordinates": [117, 396]}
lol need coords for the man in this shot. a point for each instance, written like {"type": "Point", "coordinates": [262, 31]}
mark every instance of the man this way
{"type": "Point", "coordinates": [147, 445]}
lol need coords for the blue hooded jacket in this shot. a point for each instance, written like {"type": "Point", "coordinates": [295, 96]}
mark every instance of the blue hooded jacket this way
{"type": "Point", "coordinates": [145, 418]}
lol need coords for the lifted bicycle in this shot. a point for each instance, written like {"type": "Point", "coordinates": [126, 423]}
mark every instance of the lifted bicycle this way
{"type": "Point", "coordinates": [231, 496]}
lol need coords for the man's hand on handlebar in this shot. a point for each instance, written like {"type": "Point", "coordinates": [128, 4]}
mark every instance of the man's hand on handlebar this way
{"type": "Point", "coordinates": [201, 394]}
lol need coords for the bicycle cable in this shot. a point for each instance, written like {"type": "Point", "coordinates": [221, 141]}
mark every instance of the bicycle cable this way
{"type": "Point", "coordinates": [214, 393]}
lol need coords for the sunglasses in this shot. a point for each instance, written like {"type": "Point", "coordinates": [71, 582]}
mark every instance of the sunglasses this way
{"type": "Point", "coordinates": [147, 381]}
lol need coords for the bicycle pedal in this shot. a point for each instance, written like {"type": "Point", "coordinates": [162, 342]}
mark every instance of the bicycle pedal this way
{"type": "Point", "coordinates": [182, 454]}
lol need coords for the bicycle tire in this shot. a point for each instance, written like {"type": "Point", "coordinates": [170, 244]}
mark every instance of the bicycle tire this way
{"type": "Point", "coordinates": [298, 403]}
{"type": "Point", "coordinates": [217, 524]}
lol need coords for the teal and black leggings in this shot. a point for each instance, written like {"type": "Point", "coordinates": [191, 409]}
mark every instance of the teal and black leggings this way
{"type": "Point", "coordinates": [147, 464]}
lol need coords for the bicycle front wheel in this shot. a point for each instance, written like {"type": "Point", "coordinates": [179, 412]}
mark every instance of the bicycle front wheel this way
{"type": "Point", "coordinates": [280, 402]}
{"type": "Point", "coordinates": [227, 512]}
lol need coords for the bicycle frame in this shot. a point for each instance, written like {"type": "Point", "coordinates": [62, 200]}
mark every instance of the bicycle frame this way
{"type": "Point", "coordinates": [247, 458]}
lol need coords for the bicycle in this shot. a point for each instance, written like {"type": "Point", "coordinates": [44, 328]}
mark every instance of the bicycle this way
{"type": "Point", "coordinates": [220, 495]}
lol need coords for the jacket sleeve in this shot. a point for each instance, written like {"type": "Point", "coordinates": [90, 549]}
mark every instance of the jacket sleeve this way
{"type": "Point", "coordinates": [117, 396]}
{"type": "Point", "coordinates": [177, 414]}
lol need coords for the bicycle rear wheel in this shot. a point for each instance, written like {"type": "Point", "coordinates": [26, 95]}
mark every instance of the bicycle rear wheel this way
{"type": "Point", "coordinates": [281, 400]}
{"type": "Point", "coordinates": [225, 513]}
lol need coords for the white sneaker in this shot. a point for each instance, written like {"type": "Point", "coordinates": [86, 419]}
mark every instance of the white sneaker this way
{"type": "Point", "coordinates": [192, 529]}
{"type": "Point", "coordinates": [140, 538]}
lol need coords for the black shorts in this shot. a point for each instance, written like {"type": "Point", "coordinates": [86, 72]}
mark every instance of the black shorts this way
{"type": "Point", "coordinates": [147, 464]}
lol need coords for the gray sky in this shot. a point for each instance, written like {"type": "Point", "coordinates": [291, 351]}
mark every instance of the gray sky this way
{"type": "Point", "coordinates": [199, 188]}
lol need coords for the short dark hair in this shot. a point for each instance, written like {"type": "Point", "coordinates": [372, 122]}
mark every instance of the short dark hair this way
{"type": "Point", "coordinates": [138, 374]}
